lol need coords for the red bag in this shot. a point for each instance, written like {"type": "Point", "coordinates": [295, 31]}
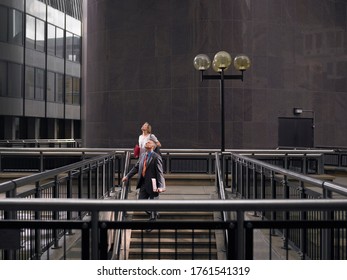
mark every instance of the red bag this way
{"type": "Point", "coordinates": [137, 151]}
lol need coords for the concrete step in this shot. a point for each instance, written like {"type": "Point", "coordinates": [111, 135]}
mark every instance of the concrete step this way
{"type": "Point", "coordinates": [174, 244]}
{"type": "Point", "coordinates": [185, 179]}
{"type": "Point", "coordinates": [167, 242]}
{"type": "Point", "coordinates": [169, 216]}
{"type": "Point", "coordinates": [172, 234]}
{"type": "Point", "coordinates": [182, 254]}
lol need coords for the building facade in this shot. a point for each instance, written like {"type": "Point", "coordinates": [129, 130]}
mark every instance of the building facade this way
{"type": "Point", "coordinates": [138, 66]}
{"type": "Point", "coordinates": [40, 69]}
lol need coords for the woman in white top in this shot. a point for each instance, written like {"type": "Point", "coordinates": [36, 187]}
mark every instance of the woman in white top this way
{"type": "Point", "coordinates": [145, 136]}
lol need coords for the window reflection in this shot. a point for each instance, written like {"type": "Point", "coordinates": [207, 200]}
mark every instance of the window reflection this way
{"type": "Point", "coordinates": [29, 82]}
{"type": "Point", "coordinates": [39, 84]}
{"type": "Point", "coordinates": [69, 46]}
{"type": "Point", "coordinates": [35, 33]}
{"type": "Point", "coordinates": [68, 90]}
{"type": "Point", "coordinates": [59, 85]}
{"type": "Point", "coordinates": [3, 78]}
{"type": "Point", "coordinates": [19, 80]}
{"type": "Point", "coordinates": [3, 24]}
{"type": "Point", "coordinates": [50, 86]}
{"type": "Point", "coordinates": [73, 47]}
{"type": "Point", "coordinates": [60, 42]}
{"type": "Point", "coordinates": [51, 39]}
{"type": "Point", "coordinates": [15, 27]}
{"type": "Point", "coordinates": [15, 76]}
{"type": "Point", "coordinates": [76, 91]}
{"type": "Point", "coordinates": [76, 48]}
{"type": "Point", "coordinates": [30, 32]}
{"type": "Point", "coordinates": [40, 35]}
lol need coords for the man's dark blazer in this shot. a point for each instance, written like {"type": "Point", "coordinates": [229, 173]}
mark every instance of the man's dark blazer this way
{"type": "Point", "coordinates": [154, 169]}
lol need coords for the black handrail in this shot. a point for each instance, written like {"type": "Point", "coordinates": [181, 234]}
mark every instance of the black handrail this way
{"type": "Point", "coordinates": [16, 183]}
{"type": "Point", "coordinates": [222, 196]}
{"type": "Point", "coordinates": [117, 243]}
{"type": "Point", "coordinates": [285, 172]}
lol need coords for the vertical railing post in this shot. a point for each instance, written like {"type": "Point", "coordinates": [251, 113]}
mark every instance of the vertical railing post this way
{"type": "Point", "coordinates": [10, 215]}
{"type": "Point", "coordinates": [240, 235]}
{"type": "Point", "coordinates": [85, 254]}
{"type": "Point", "coordinates": [273, 196]}
{"type": "Point", "coordinates": [113, 171]}
{"type": "Point", "coordinates": [303, 217]}
{"type": "Point", "coordinates": [286, 216]}
{"type": "Point", "coordinates": [97, 181]}
{"type": "Point", "coordinates": [241, 182]}
{"type": "Point", "coordinates": [327, 234]}
{"type": "Point", "coordinates": [80, 188]}
{"type": "Point", "coordinates": [103, 179]}
{"type": "Point", "coordinates": [262, 186]}
{"type": "Point", "coordinates": [248, 182]}
{"type": "Point", "coordinates": [226, 172]}
{"type": "Point", "coordinates": [56, 213]}
{"type": "Point", "coordinates": [249, 244]}
{"type": "Point", "coordinates": [304, 164]}
{"type": "Point", "coordinates": [103, 242]}
{"type": "Point", "coordinates": [90, 175]}
{"type": "Point", "coordinates": [41, 162]}
{"type": "Point", "coordinates": [232, 250]}
{"type": "Point", "coordinates": [95, 235]}
{"type": "Point", "coordinates": [37, 214]}
{"type": "Point", "coordinates": [233, 176]}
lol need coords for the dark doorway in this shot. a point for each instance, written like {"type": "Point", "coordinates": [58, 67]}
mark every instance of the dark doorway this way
{"type": "Point", "coordinates": [296, 132]}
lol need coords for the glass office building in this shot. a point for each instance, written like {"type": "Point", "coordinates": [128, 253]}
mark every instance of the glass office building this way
{"type": "Point", "coordinates": [40, 69]}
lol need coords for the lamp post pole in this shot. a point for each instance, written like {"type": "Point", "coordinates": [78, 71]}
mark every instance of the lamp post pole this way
{"type": "Point", "coordinates": [221, 77]}
{"type": "Point", "coordinates": [222, 110]}
{"type": "Point", "coordinates": [221, 62]}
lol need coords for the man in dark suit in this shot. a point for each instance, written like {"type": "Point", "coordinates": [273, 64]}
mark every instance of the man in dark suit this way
{"type": "Point", "coordinates": [150, 178]}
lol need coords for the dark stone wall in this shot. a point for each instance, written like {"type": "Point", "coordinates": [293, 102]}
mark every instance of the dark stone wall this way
{"type": "Point", "coordinates": [138, 66]}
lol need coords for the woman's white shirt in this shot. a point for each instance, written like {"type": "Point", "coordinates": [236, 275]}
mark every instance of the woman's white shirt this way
{"type": "Point", "coordinates": [143, 140]}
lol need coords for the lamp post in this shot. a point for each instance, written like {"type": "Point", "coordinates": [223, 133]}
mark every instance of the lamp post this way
{"type": "Point", "coordinates": [221, 62]}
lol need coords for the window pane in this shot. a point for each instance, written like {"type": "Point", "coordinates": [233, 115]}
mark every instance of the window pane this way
{"type": "Point", "coordinates": [76, 91]}
{"type": "Point", "coordinates": [60, 43]}
{"type": "Point", "coordinates": [76, 48]}
{"type": "Point", "coordinates": [59, 85]}
{"type": "Point", "coordinates": [69, 46]}
{"type": "Point", "coordinates": [68, 90]}
{"type": "Point", "coordinates": [16, 27]}
{"type": "Point", "coordinates": [3, 78]}
{"type": "Point", "coordinates": [40, 35]}
{"type": "Point", "coordinates": [3, 24]}
{"type": "Point", "coordinates": [50, 86]}
{"type": "Point", "coordinates": [30, 32]}
{"type": "Point", "coordinates": [39, 84]}
{"type": "Point", "coordinates": [29, 82]}
{"type": "Point", "coordinates": [15, 78]}
{"type": "Point", "coordinates": [51, 39]}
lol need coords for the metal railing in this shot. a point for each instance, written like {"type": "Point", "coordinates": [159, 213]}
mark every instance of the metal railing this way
{"type": "Point", "coordinates": [174, 160]}
{"type": "Point", "coordinates": [88, 179]}
{"type": "Point", "coordinates": [254, 179]}
{"type": "Point", "coordinates": [321, 221]}
{"type": "Point", "coordinates": [238, 229]}
{"type": "Point", "coordinates": [52, 143]}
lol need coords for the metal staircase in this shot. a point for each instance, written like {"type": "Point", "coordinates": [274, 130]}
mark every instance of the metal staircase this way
{"type": "Point", "coordinates": [174, 243]}
{"type": "Point", "coordinates": [177, 243]}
